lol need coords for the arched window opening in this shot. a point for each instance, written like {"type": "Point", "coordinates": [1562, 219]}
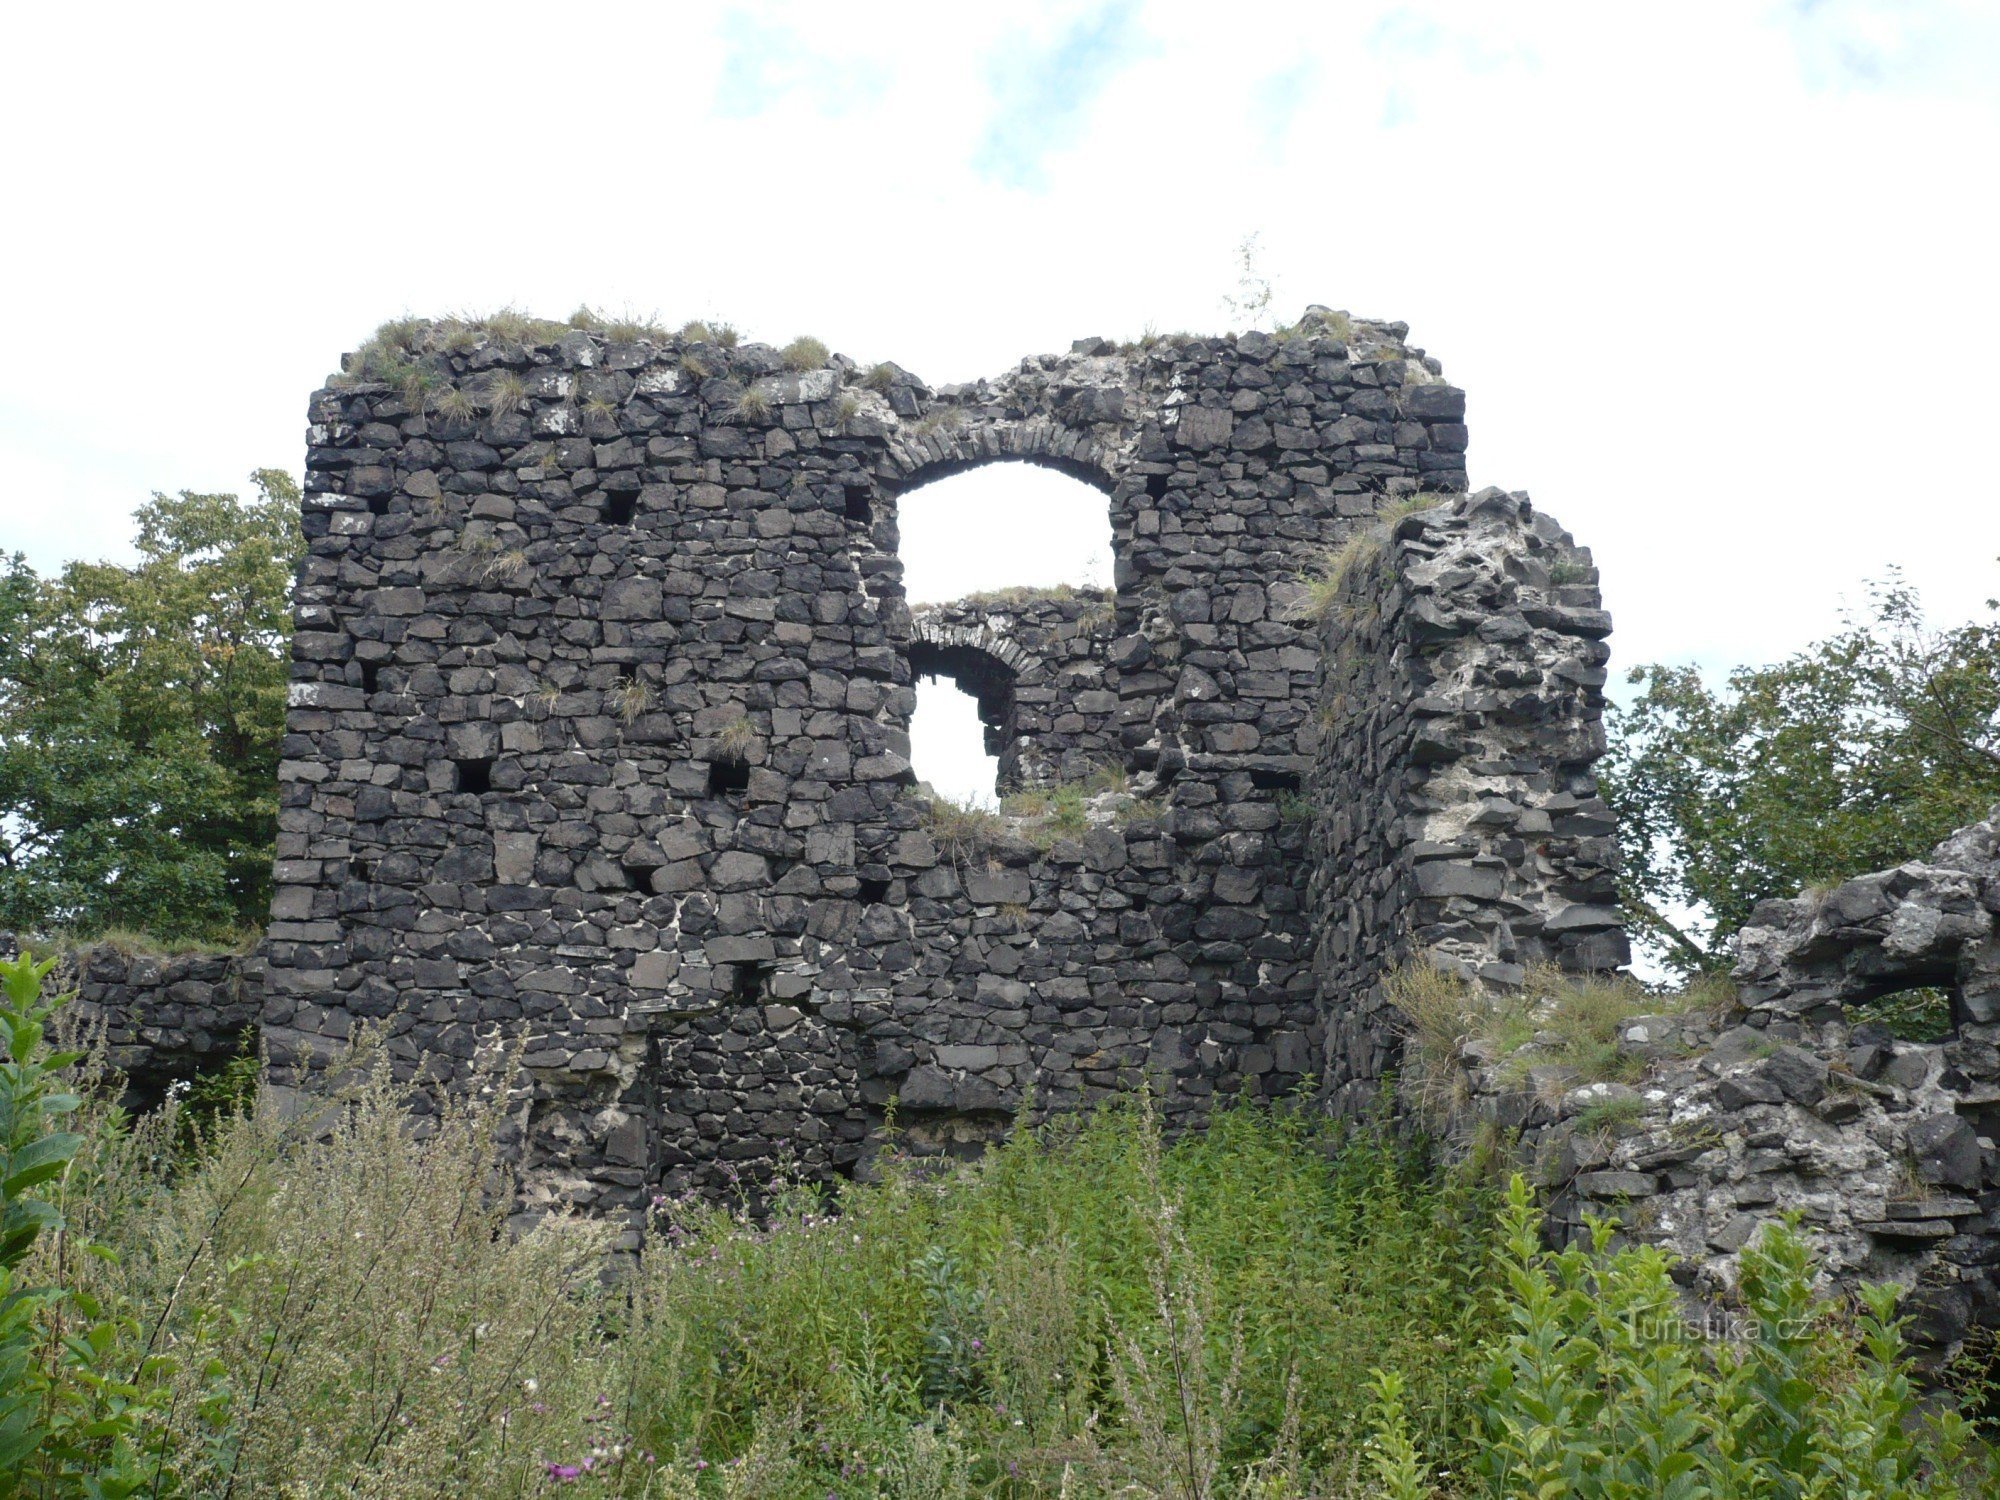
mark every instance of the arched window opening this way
{"type": "Point", "coordinates": [1914, 1008]}
{"type": "Point", "coordinates": [1005, 533]}
{"type": "Point", "coordinates": [1006, 526]}
{"type": "Point", "coordinates": [961, 732]}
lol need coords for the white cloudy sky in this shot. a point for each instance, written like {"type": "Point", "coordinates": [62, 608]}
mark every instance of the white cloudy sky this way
{"type": "Point", "coordinates": [1717, 276]}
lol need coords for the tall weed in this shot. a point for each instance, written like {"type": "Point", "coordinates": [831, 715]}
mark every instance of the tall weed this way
{"type": "Point", "coordinates": [337, 1303]}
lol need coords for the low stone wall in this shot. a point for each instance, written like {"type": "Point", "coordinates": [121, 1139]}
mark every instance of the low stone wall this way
{"type": "Point", "coordinates": [165, 1019]}
{"type": "Point", "coordinates": [1456, 818]}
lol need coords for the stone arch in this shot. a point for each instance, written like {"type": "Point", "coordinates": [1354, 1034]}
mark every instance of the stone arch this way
{"type": "Point", "coordinates": [1014, 651]}
{"type": "Point", "coordinates": [916, 459]}
{"type": "Point", "coordinates": [944, 632]}
{"type": "Point", "coordinates": [989, 680]}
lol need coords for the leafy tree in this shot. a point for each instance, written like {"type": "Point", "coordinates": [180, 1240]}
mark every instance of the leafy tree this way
{"type": "Point", "coordinates": [141, 710]}
{"type": "Point", "coordinates": [1859, 752]}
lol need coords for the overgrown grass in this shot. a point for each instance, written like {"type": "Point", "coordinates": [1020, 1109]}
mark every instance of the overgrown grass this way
{"type": "Point", "coordinates": [330, 1302]}
{"type": "Point", "coordinates": [403, 351]}
{"type": "Point", "coordinates": [1326, 578]}
{"type": "Point", "coordinates": [1567, 1023]}
{"type": "Point", "coordinates": [938, 419]}
{"type": "Point", "coordinates": [133, 943]}
{"type": "Point", "coordinates": [1062, 809]}
{"type": "Point", "coordinates": [804, 353]}
{"type": "Point", "coordinates": [1566, 570]}
{"type": "Point", "coordinates": [960, 829]}
{"type": "Point", "coordinates": [629, 700]}
{"type": "Point", "coordinates": [736, 739]}
{"type": "Point", "coordinates": [1099, 603]}
{"type": "Point", "coordinates": [1087, 1307]}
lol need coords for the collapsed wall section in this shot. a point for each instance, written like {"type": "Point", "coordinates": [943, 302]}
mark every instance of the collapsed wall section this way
{"type": "Point", "coordinates": [1456, 818]}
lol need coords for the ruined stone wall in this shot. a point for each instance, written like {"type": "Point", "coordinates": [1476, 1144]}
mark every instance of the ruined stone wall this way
{"type": "Point", "coordinates": [1040, 664]}
{"type": "Point", "coordinates": [163, 1019]}
{"type": "Point", "coordinates": [598, 739]}
{"type": "Point", "coordinates": [1457, 820]}
{"type": "Point", "coordinates": [1792, 1097]}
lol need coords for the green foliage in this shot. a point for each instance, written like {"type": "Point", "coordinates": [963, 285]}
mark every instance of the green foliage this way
{"type": "Point", "coordinates": [1919, 1015]}
{"type": "Point", "coordinates": [79, 1397]}
{"type": "Point", "coordinates": [330, 1302]}
{"type": "Point", "coordinates": [1607, 1115]}
{"type": "Point", "coordinates": [1601, 1388]}
{"type": "Point", "coordinates": [1856, 754]}
{"type": "Point", "coordinates": [1088, 1293]}
{"type": "Point", "coordinates": [141, 709]}
{"type": "Point", "coordinates": [31, 1152]}
{"type": "Point", "coordinates": [1567, 570]}
{"type": "Point", "coordinates": [1063, 809]}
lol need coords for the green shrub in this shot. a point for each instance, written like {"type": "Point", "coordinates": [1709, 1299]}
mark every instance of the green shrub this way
{"type": "Point", "coordinates": [79, 1394]}
{"type": "Point", "coordinates": [1601, 1387]}
{"type": "Point", "coordinates": [330, 1302]}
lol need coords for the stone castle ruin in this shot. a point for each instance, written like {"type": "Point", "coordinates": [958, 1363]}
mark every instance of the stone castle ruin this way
{"type": "Point", "coordinates": [597, 755]}
{"type": "Point", "coordinates": [599, 745]}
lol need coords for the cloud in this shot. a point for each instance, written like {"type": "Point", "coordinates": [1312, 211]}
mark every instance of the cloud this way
{"type": "Point", "coordinates": [1278, 99]}
{"type": "Point", "coordinates": [1042, 93]}
{"type": "Point", "coordinates": [1947, 47]}
{"type": "Point", "coordinates": [766, 63]}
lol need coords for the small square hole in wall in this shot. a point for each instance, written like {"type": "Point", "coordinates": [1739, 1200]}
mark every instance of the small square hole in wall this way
{"type": "Point", "coordinates": [620, 508]}
{"type": "Point", "coordinates": [854, 499]}
{"type": "Point", "coordinates": [873, 890]}
{"type": "Point", "coordinates": [371, 676]}
{"type": "Point", "coordinates": [378, 505]}
{"type": "Point", "coordinates": [1275, 781]}
{"type": "Point", "coordinates": [725, 776]}
{"type": "Point", "coordinates": [361, 869]}
{"type": "Point", "coordinates": [474, 775]}
{"type": "Point", "coordinates": [750, 982]}
{"type": "Point", "coordinates": [1156, 486]}
{"type": "Point", "coordinates": [638, 878]}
